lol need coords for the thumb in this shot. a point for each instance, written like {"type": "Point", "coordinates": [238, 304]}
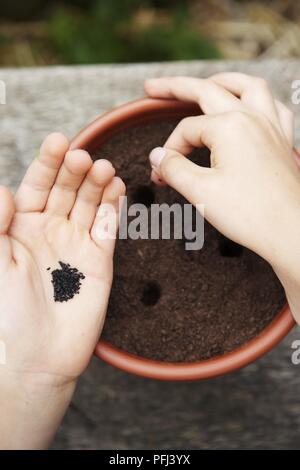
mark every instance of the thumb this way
{"type": "Point", "coordinates": [180, 173]}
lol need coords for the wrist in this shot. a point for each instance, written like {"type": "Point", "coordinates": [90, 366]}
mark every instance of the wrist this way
{"type": "Point", "coordinates": [290, 281]}
{"type": "Point", "coordinates": [35, 405]}
{"type": "Point", "coordinates": [285, 260]}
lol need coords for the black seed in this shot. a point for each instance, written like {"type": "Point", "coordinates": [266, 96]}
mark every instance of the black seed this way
{"type": "Point", "coordinates": [66, 282]}
{"type": "Point", "coordinates": [48, 269]}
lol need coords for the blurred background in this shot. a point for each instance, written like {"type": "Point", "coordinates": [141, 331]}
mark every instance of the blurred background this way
{"type": "Point", "coordinates": [44, 32]}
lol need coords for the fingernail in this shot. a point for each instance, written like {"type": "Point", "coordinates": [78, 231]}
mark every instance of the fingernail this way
{"type": "Point", "coordinates": [156, 156]}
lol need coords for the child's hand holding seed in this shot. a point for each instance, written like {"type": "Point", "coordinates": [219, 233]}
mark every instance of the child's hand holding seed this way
{"type": "Point", "coordinates": [49, 329]}
{"type": "Point", "coordinates": [251, 192]}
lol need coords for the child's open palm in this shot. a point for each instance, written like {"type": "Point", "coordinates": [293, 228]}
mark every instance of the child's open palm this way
{"type": "Point", "coordinates": [53, 219]}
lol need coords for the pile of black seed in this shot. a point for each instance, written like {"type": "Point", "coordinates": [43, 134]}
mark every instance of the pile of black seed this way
{"type": "Point", "coordinates": [66, 282]}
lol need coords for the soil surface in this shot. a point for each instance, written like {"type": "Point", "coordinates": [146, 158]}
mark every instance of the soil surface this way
{"type": "Point", "coordinates": [171, 304]}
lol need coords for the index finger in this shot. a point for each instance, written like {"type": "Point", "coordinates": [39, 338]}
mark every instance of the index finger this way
{"type": "Point", "coordinates": [211, 97]}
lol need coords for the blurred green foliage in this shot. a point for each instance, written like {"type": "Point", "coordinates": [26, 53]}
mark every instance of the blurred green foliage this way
{"type": "Point", "coordinates": [3, 39]}
{"type": "Point", "coordinates": [106, 32]}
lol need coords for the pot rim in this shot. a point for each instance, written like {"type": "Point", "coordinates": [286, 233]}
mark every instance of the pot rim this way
{"type": "Point", "coordinates": [97, 132]}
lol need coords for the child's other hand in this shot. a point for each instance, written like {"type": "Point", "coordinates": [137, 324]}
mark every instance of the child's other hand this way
{"type": "Point", "coordinates": [53, 218]}
{"type": "Point", "coordinates": [251, 193]}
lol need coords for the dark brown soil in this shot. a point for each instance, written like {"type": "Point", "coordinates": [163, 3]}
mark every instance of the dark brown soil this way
{"type": "Point", "coordinates": [171, 304]}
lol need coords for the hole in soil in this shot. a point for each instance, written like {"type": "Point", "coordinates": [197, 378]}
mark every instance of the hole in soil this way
{"type": "Point", "coordinates": [151, 293]}
{"type": "Point", "coordinates": [144, 195]}
{"type": "Point", "coordinates": [229, 249]}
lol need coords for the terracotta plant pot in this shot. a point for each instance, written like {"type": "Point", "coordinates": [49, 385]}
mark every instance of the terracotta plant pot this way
{"type": "Point", "coordinates": [136, 113]}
